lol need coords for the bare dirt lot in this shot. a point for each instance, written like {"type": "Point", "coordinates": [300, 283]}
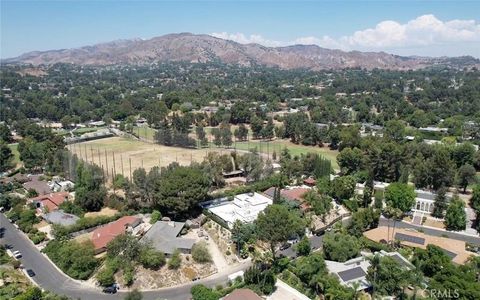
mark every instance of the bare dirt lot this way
{"type": "Point", "coordinates": [118, 154]}
{"type": "Point", "coordinates": [151, 279]}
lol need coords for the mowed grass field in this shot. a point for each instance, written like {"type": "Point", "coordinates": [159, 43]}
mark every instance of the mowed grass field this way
{"type": "Point", "coordinates": [117, 154]}
{"type": "Point", "coordinates": [278, 145]}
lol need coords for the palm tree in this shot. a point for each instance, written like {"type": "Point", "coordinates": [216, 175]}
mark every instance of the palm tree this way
{"type": "Point", "coordinates": [397, 215]}
{"type": "Point", "coordinates": [374, 266]}
{"type": "Point", "coordinates": [388, 214]}
{"type": "Point", "coordinates": [355, 291]}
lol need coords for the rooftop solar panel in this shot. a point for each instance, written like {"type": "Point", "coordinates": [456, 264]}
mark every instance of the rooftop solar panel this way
{"type": "Point", "coordinates": [354, 273]}
{"type": "Point", "coordinates": [409, 238]}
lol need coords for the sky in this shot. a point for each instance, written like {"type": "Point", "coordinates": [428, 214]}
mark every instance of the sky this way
{"type": "Point", "coordinates": [426, 28]}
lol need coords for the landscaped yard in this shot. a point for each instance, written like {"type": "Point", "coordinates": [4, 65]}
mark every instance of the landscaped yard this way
{"type": "Point", "coordinates": [16, 154]}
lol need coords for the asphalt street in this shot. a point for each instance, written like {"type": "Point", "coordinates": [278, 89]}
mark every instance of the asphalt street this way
{"type": "Point", "coordinates": [50, 278]}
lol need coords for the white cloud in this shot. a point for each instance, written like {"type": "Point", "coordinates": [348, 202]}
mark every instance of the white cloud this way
{"type": "Point", "coordinates": [425, 35]}
{"type": "Point", "coordinates": [244, 39]}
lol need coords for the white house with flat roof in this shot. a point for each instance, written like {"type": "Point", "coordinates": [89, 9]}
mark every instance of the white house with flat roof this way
{"type": "Point", "coordinates": [243, 207]}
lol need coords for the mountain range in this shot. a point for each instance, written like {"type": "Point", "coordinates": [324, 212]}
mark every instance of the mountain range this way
{"type": "Point", "coordinates": [205, 48]}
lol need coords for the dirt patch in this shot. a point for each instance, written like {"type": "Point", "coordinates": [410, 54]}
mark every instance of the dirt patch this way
{"type": "Point", "coordinates": [106, 211]}
{"type": "Point", "coordinates": [164, 277]}
{"type": "Point", "coordinates": [116, 155]}
{"type": "Point", "coordinates": [42, 224]}
{"type": "Point", "coordinates": [223, 239]}
{"type": "Point", "coordinates": [84, 237]}
{"type": "Point", "coordinates": [434, 223]}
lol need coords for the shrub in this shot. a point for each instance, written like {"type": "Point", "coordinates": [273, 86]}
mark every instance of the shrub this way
{"type": "Point", "coordinates": [134, 295]}
{"type": "Point", "coordinates": [303, 247]}
{"type": "Point", "coordinates": [76, 259]}
{"type": "Point", "coordinates": [175, 261]}
{"type": "Point", "coordinates": [129, 275]}
{"type": "Point", "coordinates": [106, 277]}
{"type": "Point", "coordinates": [201, 292]}
{"type": "Point", "coordinates": [156, 215]}
{"type": "Point", "coordinates": [200, 252]}
{"type": "Point", "coordinates": [152, 259]}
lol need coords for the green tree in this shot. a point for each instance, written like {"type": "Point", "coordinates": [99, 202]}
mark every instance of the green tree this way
{"type": "Point", "coordinates": [105, 277]}
{"type": "Point", "coordinates": [463, 154]}
{"type": "Point", "coordinates": [395, 131]}
{"type": "Point", "coordinates": [241, 133]}
{"type": "Point", "coordinates": [466, 175]}
{"type": "Point", "coordinates": [455, 217]}
{"type": "Point", "coordinates": [350, 160]}
{"type": "Point", "coordinates": [321, 204]}
{"type": "Point", "coordinates": [89, 190]}
{"type": "Point", "coordinates": [475, 200]}
{"type": "Point", "coordinates": [76, 259]}
{"type": "Point", "coordinates": [201, 292]}
{"type": "Point", "coordinates": [200, 253]}
{"type": "Point", "coordinates": [303, 247]}
{"type": "Point", "coordinates": [179, 189]}
{"type": "Point", "coordinates": [388, 277]}
{"type": "Point", "coordinates": [340, 247]}
{"type": "Point", "coordinates": [400, 195]}
{"type": "Point", "coordinates": [343, 187]}
{"type": "Point", "coordinates": [440, 204]}
{"type": "Point", "coordinates": [6, 157]}
{"type": "Point", "coordinates": [362, 220]}
{"type": "Point", "coordinates": [5, 134]}
{"type": "Point", "coordinates": [268, 131]}
{"type": "Point", "coordinates": [276, 224]}
{"type": "Point", "coordinates": [243, 233]}
{"type": "Point", "coordinates": [256, 124]}
{"type": "Point", "coordinates": [151, 258]}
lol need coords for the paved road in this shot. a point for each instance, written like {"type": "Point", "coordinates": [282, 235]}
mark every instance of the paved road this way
{"type": "Point", "coordinates": [453, 235]}
{"type": "Point", "coordinates": [50, 278]}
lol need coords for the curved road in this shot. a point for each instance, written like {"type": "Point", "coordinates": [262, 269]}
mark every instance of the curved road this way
{"type": "Point", "coordinates": [50, 278]}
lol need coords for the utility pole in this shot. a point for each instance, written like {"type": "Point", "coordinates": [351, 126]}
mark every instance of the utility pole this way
{"type": "Point", "coordinates": [106, 161]}
{"type": "Point", "coordinates": [130, 159]}
{"type": "Point", "coordinates": [121, 160]}
{"type": "Point", "coordinates": [114, 170]}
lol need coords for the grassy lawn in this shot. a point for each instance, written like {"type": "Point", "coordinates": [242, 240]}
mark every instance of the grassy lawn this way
{"type": "Point", "coordinates": [79, 131]}
{"type": "Point", "coordinates": [16, 154]}
{"type": "Point", "coordinates": [295, 149]}
{"type": "Point", "coordinates": [145, 132]}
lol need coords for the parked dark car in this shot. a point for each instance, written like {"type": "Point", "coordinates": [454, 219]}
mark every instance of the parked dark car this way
{"type": "Point", "coordinates": [110, 289]}
{"type": "Point", "coordinates": [30, 273]}
{"type": "Point", "coordinates": [285, 246]}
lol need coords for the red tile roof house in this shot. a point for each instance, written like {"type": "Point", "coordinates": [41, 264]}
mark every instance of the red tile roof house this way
{"type": "Point", "coordinates": [296, 194]}
{"type": "Point", "coordinates": [49, 202]}
{"type": "Point", "coordinates": [103, 235]}
{"type": "Point", "coordinates": [242, 294]}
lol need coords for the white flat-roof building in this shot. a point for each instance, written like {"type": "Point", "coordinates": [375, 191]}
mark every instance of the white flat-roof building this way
{"type": "Point", "coordinates": [244, 207]}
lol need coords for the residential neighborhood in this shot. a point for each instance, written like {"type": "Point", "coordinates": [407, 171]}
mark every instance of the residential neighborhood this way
{"type": "Point", "coordinates": [233, 150]}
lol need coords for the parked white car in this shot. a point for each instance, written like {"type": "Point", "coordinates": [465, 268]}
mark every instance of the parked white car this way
{"type": "Point", "coordinates": [17, 254]}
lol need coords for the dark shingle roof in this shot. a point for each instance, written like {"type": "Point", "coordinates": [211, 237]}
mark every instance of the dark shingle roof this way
{"type": "Point", "coordinates": [350, 274]}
